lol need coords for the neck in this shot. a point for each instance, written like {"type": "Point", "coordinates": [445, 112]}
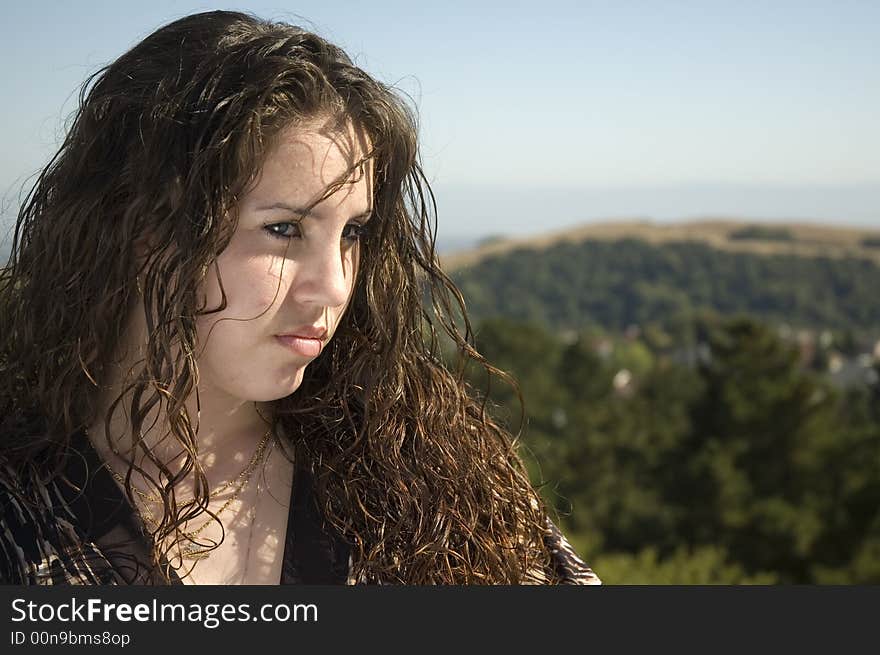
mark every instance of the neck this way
{"type": "Point", "coordinates": [227, 433]}
{"type": "Point", "coordinates": [227, 430]}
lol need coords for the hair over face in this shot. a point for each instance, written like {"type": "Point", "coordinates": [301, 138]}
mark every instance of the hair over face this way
{"type": "Point", "coordinates": [408, 467]}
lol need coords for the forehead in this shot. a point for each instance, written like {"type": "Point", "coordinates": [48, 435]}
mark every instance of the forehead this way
{"type": "Point", "coordinates": [305, 159]}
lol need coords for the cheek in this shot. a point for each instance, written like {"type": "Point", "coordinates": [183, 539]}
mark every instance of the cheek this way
{"type": "Point", "coordinates": [250, 299]}
{"type": "Point", "coordinates": [251, 287]}
{"type": "Point", "coordinates": [353, 262]}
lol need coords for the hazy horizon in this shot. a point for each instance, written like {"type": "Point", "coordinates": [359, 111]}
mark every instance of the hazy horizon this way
{"type": "Point", "coordinates": [494, 210]}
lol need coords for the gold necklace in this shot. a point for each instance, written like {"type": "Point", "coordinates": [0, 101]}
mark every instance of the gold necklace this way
{"type": "Point", "coordinates": [261, 447]}
{"type": "Point", "coordinates": [192, 552]}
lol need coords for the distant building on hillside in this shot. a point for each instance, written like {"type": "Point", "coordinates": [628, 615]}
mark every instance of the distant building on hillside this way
{"type": "Point", "coordinates": [851, 371]}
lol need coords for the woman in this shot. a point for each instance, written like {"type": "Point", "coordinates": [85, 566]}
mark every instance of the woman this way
{"type": "Point", "coordinates": [217, 368]}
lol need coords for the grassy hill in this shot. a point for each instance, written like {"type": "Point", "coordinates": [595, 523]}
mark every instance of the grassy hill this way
{"type": "Point", "coordinates": [804, 239]}
{"type": "Point", "coordinates": [618, 274]}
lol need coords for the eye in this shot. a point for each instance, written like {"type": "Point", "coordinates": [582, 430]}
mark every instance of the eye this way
{"type": "Point", "coordinates": [355, 232]}
{"type": "Point", "coordinates": [287, 231]}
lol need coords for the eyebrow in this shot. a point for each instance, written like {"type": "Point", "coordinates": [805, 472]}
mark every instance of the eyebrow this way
{"type": "Point", "coordinates": [302, 211]}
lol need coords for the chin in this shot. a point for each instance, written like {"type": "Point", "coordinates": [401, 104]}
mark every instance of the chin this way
{"type": "Point", "coordinates": [286, 386]}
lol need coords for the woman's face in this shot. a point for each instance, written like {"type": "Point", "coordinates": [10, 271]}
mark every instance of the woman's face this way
{"type": "Point", "coordinates": [286, 272]}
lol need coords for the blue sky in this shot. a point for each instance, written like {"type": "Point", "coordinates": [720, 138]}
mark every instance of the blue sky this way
{"type": "Point", "coordinates": [539, 115]}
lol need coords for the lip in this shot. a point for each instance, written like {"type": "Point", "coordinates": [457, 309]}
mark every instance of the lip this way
{"type": "Point", "coordinates": [302, 346]}
{"type": "Point", "coordinates": [318, 332]}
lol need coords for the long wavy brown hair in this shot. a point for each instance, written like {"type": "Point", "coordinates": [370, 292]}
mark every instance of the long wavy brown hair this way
{"type": "Point", "coordinates": [408, 466]}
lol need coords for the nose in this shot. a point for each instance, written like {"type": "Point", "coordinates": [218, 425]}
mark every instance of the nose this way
{"type": "Point", "coordinates": [324, 274]}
